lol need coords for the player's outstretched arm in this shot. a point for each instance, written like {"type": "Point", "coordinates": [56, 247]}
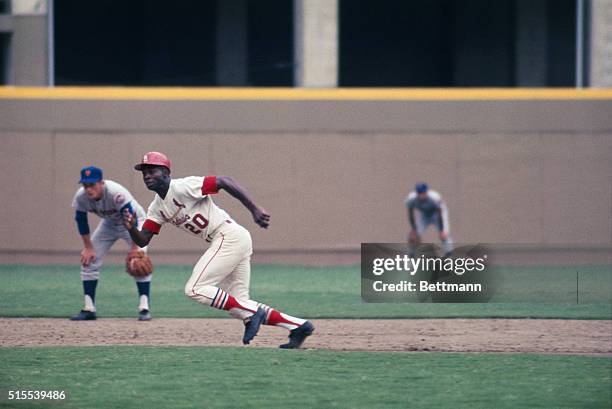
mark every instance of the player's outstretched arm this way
{"type": "Point", "coordinates": [441, 227]}
{"type": "Point", "coordinates": [440, 219]}
{"type": "Point", "coordinates": [139, 237]}
{"type": "Point", "coordinates": [232, 187]}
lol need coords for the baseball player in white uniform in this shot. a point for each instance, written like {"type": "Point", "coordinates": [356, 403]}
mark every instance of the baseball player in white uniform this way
{"type": "Point", "coordinates": [108, 200]}
{"type": "Point", "coordinates": [221, 278]}
{"type": "Point", "coordinates": [432, 211]}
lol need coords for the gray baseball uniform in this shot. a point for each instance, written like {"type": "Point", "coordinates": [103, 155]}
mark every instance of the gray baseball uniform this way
{"type": "Point", "coordinates": [432, 211]}
{"type": "Point", "coordinates": [111, 228]}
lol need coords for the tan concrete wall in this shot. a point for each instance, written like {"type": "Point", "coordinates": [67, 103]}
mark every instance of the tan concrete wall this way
{"type": "Point", "coordinates": [328, 186]}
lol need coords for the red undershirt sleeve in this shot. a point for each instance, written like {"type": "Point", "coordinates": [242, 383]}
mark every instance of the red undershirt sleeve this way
{"type": "Point", "coordinates": [210, 185]}
{"type": "Point", "coordinates": [151, 226]}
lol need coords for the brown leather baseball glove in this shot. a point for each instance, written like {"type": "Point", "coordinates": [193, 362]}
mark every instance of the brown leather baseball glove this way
{"type": "Point", "coordinates": [138, 264]}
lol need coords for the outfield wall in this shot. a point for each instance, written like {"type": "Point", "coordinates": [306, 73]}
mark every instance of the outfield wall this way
{"type": "Point", "coordinates": [332, 169]}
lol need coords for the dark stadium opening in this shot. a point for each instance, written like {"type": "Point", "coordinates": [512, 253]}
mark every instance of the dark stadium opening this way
{"type": "Point", "coordinates": [156, 42]}
{"type": "Point", "coordinates": [387, 43]}
{"type": "Point", "coordinates": [270, 43]}
{"type": "Point", "coordinates": [5, 43]}
{"type": "Point", "coordinates": [457, 43]}
{"type": "Point", "coordinates": [137, 42]}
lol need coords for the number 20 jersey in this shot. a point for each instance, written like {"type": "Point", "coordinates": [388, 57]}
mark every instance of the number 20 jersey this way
{"type": "Point", "coordinates": [188, 206]}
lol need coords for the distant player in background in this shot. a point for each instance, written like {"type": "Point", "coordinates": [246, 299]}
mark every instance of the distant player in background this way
{"type": "Point", "coordinates": [221, 278]}
{"type": "Point", "coordinates": [108, 200]}
{"type": "Point", "coordinates": [432, 211]}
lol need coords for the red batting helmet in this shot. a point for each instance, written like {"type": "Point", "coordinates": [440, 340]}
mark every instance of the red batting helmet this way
{"type": "Point", "coordinates": [154, 158]}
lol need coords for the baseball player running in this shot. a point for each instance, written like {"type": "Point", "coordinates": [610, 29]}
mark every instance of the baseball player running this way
{"type": "Point", "coordinates": [108, 200]}
{"type": "Point", "coordinates": [432, 211]}
{"type": "Point", "coordinates": [221, 278]}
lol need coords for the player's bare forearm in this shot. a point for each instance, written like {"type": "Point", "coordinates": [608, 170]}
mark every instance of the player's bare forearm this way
{"type": "Point", "coordinates": [140, 237]}
{"type": "Point", "coordinates": [87, 241]}
{"type": "Point", "coordinates": [89, 253]}
{"type": "Point", "coordinates": [232, 187]}
{"type": "Point", "coordinates": [411, 218]}
{"type": "Point", "coordinates": [440, 220]}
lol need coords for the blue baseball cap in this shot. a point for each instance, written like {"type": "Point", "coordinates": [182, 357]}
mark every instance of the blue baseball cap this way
{"type": "Point", "coordinates": [91, 174]}
{"type": "Point", "coordinates": [421, 187]}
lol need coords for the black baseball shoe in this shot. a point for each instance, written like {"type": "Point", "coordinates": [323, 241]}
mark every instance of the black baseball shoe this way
{"type": "Point", "coordinates": [298, 335]}
{"type": "Point", "coordinates": [144, 315]}
{"type": "Point", "coordinates": [252, 324]}
{"type": "Point", "coordinates": [84, 315]}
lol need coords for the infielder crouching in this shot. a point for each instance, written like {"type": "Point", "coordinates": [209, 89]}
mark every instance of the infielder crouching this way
{"type": "Point", "coordinates": [221, 278]}
{"type": "Point", "coordinates": [432, 211]}
{"type": "Point", "coordinates": [108, 200]}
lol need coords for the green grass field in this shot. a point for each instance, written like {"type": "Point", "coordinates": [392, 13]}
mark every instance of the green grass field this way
{"type": "Point", "coordinates": [210, 377]}
{"type": "Point", "coordinates": [147, 377]}
{"type": "Point", "coordinates": [315, 292]}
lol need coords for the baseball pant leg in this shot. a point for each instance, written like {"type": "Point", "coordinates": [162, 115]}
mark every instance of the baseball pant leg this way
{"type": "Point", "coordinates": [421, 225]}
{"type": "Point", "coordinates": [447, 244]}
{"type": "Point", "coordinates": [227, 263]}
{"type": "Point", "coordinates": [230, 246]}
{"type": "Point", "coordinates": [238, 285]}
{"type": "Point", "coordinates": [102, 240]}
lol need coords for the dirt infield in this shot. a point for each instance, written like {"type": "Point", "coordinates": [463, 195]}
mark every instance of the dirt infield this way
{"type": "Point", "coordinates": [435, 335]}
